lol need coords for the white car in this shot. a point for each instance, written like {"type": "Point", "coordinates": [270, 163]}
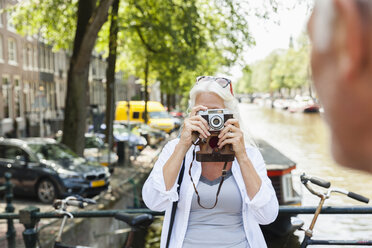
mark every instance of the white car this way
{"type": "Point", "coordinates": [96, 150]}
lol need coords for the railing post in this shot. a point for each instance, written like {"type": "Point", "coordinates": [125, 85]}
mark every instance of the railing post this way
{"type": "Point", "coordinates": [11, 233]}
{"type": "Point", "coordinates": [136, 203]}
{"type": "Point", "coordinates": [29, 221]}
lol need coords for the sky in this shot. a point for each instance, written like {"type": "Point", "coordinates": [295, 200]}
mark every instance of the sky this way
{"type": "Point", "coordinates": [275, 32]}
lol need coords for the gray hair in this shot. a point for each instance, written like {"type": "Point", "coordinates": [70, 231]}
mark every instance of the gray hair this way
{"type": "Point", "coordinates": [230, 102]}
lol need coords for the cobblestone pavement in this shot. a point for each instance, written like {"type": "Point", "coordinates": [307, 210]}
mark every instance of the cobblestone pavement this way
{"type": "Point", "coordinates": [120, 176]}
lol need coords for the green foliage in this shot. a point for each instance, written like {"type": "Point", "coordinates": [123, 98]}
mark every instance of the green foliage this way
{"type": "Point", "coordinates": [281, 69]}
{"type": "Point", "coordinates": [245, 85]}
{"type": "Point", "coordinates": [180, 39]}
{"type": "Point", "coordinates": [52, 20]}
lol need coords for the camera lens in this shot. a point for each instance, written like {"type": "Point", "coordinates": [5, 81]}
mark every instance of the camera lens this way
{"type": "Point", "coordinates": [216, 122]}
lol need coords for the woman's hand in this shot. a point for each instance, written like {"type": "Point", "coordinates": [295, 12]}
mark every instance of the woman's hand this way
{"type": "Point", "coordinates": [232, 134]}
{"type": "Point", "coordinates": [194, 123]}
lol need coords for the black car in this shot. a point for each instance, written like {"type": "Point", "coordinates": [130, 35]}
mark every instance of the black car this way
{"type": "Point", "coordinates": [43, 167]}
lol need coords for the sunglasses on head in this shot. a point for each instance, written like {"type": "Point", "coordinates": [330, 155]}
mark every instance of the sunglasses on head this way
{"type": "Point", "coordinates": [224, 82]}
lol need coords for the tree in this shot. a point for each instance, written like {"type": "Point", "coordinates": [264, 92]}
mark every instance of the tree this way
{"type": "Point", "coordinates": [90, 17]}
{"type": "Point", "coordinates": [174, 41]}
{"type": "Point", "coordinates": [110, 72]}
{"type": "Point", "coordinates": [282, 69]}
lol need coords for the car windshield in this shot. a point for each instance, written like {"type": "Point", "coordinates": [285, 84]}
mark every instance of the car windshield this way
{"type": "Point", "coordinates": [120, 130]}
{"type": "Point", "coordinates": [93, 142]}
{"type": "Point", "coordinates": [159, 115]}
{"type": "Point", "coordinates": [56, 152]}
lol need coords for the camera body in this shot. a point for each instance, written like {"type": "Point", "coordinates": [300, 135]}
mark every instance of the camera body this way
{"type": "Point", "coordinates": [209, 151]}
{"type": "Point", "coordinates": [216, 118]}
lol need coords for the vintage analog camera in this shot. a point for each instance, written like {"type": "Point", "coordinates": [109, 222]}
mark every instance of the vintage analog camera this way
{"type": "Point", "coordinates": [209, 151]}
{"type": "Point", "coordinates": [216, 118]}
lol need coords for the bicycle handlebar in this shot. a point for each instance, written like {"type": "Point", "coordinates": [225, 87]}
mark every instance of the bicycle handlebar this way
{"type": "Point", "coordinates": [315, 180]}
{"type": "Point", "coordinates": [320, 182]}
{"type": "Point", "coordinates": [325, 184]}
{"type": "Point", "coordinates": [358, 197]}
{"type": "Point", "coordinates": [76, 201]}
{"type": "Point", "coordinates": [136, 221]}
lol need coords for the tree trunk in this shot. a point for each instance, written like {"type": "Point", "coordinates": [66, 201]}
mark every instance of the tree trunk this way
{"type": "Point", "coordinates": [110, 72]}
{"type": "Point", "coordinates": [161, 94]}
{"type": "Point", "coordinates": [89, 22]}
{"type": "Point", "coordinates": [173, 101]}
{"type": "Point", "coordinates": [146, 91]}
{"type": "Point", "coordinates": [168, 101]}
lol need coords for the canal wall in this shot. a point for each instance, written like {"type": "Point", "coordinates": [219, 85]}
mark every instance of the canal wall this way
{"type": "Point", "coordinates": [125, 192]}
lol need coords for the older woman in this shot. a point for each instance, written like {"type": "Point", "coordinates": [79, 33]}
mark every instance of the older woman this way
{"type": "Point", "coordinates": [246, 198]}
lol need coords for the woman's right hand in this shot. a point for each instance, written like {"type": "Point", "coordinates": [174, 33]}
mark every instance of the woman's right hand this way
{"type": "Point", "coordinates": [194, 123]}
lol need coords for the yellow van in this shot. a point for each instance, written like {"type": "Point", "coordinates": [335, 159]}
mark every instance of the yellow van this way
{"type": "Point", "coordinates": [158, 116]}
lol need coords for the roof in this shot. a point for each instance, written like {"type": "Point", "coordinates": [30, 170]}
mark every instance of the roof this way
{"type": "Point", "coordinates": [274, 159]}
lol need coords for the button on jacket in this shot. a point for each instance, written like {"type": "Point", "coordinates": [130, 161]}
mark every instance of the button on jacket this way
{"type": "Point", "coordinates": [262, 209]}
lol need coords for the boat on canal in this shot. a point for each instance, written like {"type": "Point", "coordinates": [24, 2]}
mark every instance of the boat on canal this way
{"type": "Point", "coordinates": [279, 169]}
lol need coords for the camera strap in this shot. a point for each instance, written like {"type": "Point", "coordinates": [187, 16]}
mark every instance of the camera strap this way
{"type": "Point", "coordinates": [175, 203]}
{"type": "Point", "coordinates": [219, 186]}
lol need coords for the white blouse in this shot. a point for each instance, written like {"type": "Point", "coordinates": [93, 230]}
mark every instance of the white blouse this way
{"type": "Point", "coordinates": [262, 209]}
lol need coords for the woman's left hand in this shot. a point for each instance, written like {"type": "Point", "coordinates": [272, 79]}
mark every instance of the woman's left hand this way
{"type": "Point", "coordinates": [232, 134]}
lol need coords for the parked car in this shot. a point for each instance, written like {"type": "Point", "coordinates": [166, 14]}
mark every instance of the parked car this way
{"type": "Point", "coordinates": [123, 133]}
{"type": "Point", "coordinates": [157, 115]}
{"type": "Point", "coordinates": [152, 135]}
{"type": "Point", "coordinates": [177, 122]}
{"type": "Point", "coordinates": [177, 113]}
{"type": "Point", "coordinates": [48, 169]}
{"type": "Point", "coordinates": [96, 150]}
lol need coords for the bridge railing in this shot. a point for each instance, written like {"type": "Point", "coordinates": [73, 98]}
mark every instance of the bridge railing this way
{"type": "Point", "coordinates": [30, 216]}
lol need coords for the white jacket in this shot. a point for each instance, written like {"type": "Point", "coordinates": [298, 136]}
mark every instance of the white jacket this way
{"type": "Point", "coordinates": [262, 209]}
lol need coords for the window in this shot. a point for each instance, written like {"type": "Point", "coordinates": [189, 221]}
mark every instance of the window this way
{"type": "Point", "coordinates": [46, 57]}
{"type": "Point", "coordinates": [136, 115]}
{"type": "Point", "coordinates": [5, 89]}
{"type": "Point", "coordinates": [287, 187]}
{"type": "Point", "coordinates": [29, 57]}
{"type": "Point", "coordinates": [51, 60]}
{"type": "Point", "coordinates": [17, 98]}
{"type": "Point", "coordinates": [24, 58]}
{"type": "Point", "coordinates": [1, 14]}
{"type": "Point", "coordinates": [12, 51]}
{"type": "Point", "coordinates": [12, 153]}
{"type": "Point", "coordinates": [9, 20]}
{"type": "Point", "coordinates": [32, 96]}
{"type": "Point", "coordinates": [1, 47]}
{"type": "Point", "coordinates": [94, 69]}
{"type": "Point", "coordinates": [26, 97]}
{"type": "Point", "coordinates": [35, 59]}
{"type": "Point", "coordinates": [42, 58]}
{"type": "Point", "coordinates": [51, 91]}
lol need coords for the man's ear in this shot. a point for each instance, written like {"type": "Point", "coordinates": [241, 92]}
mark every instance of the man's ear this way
{"type": "Point", "coordinates": [351, 34]}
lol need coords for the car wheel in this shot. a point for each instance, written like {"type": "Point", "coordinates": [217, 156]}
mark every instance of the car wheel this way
{"type": "Point", "coordinates": [46, 191]}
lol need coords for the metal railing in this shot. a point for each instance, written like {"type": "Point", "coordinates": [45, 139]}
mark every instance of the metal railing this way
{"type": "Point", "coordinates": [7, 188]}
{"type": "Point", "coordinates": [30, 216]}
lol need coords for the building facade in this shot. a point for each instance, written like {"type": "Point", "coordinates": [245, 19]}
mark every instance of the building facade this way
{"type": "Point", "coordinates": [33, 83]}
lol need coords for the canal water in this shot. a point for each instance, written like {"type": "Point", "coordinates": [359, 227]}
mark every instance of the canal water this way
{"type": "Point", "coordinates": [304, 138]}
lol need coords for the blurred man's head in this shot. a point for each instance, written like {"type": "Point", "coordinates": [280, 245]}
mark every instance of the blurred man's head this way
{"type": "Point", "coordinates": [340, 31]}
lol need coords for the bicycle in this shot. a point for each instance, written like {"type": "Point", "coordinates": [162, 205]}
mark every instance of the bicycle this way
{"type": "Point", "coordinates": [135, 221]}
{"type": "Point", "coordinates": [324, 196]}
